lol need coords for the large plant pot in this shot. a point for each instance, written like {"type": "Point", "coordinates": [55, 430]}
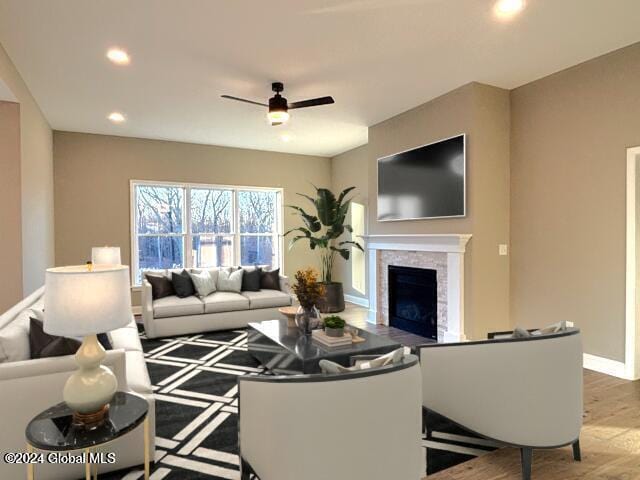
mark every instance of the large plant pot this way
{"type": "Point", "coordinates": [333, 299]}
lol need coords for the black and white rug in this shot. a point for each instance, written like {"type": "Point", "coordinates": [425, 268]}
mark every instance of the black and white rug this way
{"type": "Point", "coordinates": [195, 386]}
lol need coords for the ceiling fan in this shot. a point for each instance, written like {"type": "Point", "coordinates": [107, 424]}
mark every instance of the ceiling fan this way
{"type": "Point", "coordinates": [279, 108]}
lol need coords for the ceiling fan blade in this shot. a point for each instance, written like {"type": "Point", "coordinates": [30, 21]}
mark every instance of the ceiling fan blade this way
{"type": "Point", "coordinates": [244, 100]}
{"type": "Point", "coordinates": [314, 102]}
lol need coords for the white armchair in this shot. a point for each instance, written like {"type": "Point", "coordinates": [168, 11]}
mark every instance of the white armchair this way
{"type": "Point", "coordinates": [524, 392]}
{"type": "Point", "coordinates": [363, 425]}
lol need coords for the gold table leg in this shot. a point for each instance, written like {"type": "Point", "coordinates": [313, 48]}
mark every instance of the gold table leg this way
{"type": "Point", "coordinates": [87, 465]}
{"type": "Point", "coordinates": [30, 466]}
{"type": "Point", "coordinates": [147, 467]}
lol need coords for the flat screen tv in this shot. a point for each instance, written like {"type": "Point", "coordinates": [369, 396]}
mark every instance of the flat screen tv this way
{"type": "Point", "coordinates": [425, 182]}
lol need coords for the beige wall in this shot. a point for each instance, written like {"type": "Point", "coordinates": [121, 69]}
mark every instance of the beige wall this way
{"type": "Point", "coordinates": [570, 134]}
{"type": "Point", "coordinates": [36, 172]}
{"type": "Point", "coordinates": [350, 169]}
{"type": "Point", "coordinates": [482, 112]}
{"type": "Point", "coordinates": [10, 201]}
{"type": "Point", "coordinates": [92, 174]}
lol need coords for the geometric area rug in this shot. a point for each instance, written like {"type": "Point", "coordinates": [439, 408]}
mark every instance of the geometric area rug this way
{"type": "Point", "coordinates": [194, 379]}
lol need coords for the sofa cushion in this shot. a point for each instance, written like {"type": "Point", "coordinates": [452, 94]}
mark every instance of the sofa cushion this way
{"type": "Point", "coordinates": [126, 338]}
{"type": "Point", "coordinates": [267, 299]}
{"type": "Point", "coordinates": [176, 307]}
{"type": "Point", "coordinates": [137, 374]}
{"type": "Point", "coordinates": [225, 302]}
{"type": "Point", "coordinates": [14, 339]}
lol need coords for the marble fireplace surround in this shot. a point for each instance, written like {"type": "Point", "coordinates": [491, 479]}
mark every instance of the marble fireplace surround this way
{"type": "Point", "coordinates": [441, 252]}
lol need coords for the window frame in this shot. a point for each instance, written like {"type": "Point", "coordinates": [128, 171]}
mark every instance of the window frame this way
{"type": "Point", "coordinates": [188, 234]}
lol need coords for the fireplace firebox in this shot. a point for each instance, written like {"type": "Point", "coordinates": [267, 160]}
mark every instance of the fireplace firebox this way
{"type": "Point", "coordinates": [413, 300]}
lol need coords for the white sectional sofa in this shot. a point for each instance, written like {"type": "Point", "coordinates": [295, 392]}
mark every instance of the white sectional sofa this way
{"type": "Point", "coordinates": [31, 386]}
{"type": "Point", "coordinates": [218, 311]}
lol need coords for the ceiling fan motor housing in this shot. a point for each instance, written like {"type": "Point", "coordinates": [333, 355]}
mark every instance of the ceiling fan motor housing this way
{"type": "Point", "coordinates": [278, 104]}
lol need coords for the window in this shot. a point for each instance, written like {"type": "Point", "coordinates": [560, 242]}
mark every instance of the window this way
{"type": "Point", "coordinates": [182, 225]}
{"type": "Point", "coordinates": [358, 260]}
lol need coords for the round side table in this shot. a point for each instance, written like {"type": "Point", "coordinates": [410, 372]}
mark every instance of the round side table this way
{"type": "Point", "coordinates": [53, 430]}
{"type": "Point", "coordinates": [290, 313]}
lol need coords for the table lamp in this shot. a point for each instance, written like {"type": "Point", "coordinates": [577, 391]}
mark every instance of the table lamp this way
{"type": "Point", "coordinates": [105, 256]}
{"type": "Point", "coordinates": [84, 301]}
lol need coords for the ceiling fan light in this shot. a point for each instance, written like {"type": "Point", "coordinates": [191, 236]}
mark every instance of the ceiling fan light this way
{"type": "Point", "coordinates": [278, 117]}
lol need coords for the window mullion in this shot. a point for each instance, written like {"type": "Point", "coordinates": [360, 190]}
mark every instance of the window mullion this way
{"type": "Point", "coordinates": [237, 253]}
{"type": "Point", "coordinates": [186, 222]}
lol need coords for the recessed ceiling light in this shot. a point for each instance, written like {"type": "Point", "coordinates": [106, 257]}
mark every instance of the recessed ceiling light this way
{"type": "Point", "coordinates": [508, 8]}
{"type": "Point", "coordinates": [118, 56]}
{"type": "Point", "coordinates": [116, 117]}
{"type": "Point", "coordinates": [285, 137]}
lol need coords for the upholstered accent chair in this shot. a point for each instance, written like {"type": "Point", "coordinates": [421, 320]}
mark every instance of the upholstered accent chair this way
{"type": "Point", "coordinates": [521, 392]}
{"type": "Point", "coordinates": [363, 425]}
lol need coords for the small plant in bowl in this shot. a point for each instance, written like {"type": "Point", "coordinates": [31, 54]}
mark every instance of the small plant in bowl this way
{"type": "Point", "coordinates": [334, 326]}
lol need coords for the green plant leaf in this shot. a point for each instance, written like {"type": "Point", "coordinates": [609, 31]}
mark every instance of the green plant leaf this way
{"type": "Point", "coordinates": [295, 239]}
{"type": "Point", "coordinates": [355, 244]}
{"type": "Point", "coordinates": [326, 206]}
{"type": "Point", "coordinates": [311, 199]}
{"type": "Point", "coordinates": [344, 252]}
{"type": "Point", "coordinates": [344, 194]}
{"type": "Point", "coordinates": [306, 232]}
{"type": "Point", "coordinates": [311, 221]}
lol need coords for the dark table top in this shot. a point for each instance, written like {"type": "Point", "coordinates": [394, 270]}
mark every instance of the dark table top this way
{"type": "Point", "coordinates": [293, 340]}
{"type": "Point", "coordinates": [53, 428]}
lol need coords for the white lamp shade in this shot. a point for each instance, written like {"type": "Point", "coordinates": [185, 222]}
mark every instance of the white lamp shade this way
{"type": "Point", "coordinates": [105, 256]}
{"type": "Point", "coordinates": [79, 301]}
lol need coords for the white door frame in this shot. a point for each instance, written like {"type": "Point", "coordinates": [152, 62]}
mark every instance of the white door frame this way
{"type": "Point", "coordinates": [632, 330]}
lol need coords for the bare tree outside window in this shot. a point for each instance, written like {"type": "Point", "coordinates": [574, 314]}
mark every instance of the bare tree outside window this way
{"type": "Point", "coordinates": [204, 226]}
{"type": "Point", "coordinates": [258, 227]}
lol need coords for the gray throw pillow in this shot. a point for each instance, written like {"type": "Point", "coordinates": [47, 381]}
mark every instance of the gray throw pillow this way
{"type": "Point", "coordinates": [230, 281]}
{"type": "Point", "coordinates": [520, 332]}
{"type": "Point", "coordinates": [203, 281]}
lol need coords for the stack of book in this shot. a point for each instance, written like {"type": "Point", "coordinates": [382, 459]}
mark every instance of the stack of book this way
{"type": "Point", "coordinates": [327, 341]}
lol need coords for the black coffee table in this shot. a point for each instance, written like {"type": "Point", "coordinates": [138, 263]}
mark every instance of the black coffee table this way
{"type": "Point", "coordinates": [286, 351]}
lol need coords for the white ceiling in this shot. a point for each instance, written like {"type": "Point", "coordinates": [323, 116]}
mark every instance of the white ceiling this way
{"type": "Point", "coordinates": [377, 58]}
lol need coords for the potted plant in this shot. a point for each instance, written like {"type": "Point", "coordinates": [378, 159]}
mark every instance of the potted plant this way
{"type": "Point", "coordinates": [334, 326]}
{"type": "Point", "coordinates": [309, 291]}
{"type": "Point", "coordinates": [323, 230]}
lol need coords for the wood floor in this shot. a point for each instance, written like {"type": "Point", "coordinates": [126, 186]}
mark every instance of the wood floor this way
{"type": "Point", "coordinates": [610, 437]}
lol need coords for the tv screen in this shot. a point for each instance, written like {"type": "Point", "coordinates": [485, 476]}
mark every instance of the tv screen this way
{"type": "Point", "coordinates": [426, 182]}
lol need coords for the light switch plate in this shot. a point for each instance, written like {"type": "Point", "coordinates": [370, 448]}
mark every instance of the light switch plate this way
{"type": "Point", "coordinates": [503, 249]}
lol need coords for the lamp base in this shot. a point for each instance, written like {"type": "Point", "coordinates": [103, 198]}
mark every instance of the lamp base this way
{"type": "Point", "coordinates": [89, 421]}
{"type": "Point", "coordinates": [89, 389]}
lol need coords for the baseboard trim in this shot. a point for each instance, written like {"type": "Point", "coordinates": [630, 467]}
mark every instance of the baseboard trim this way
{"type": "Point", "coordinates": [363, 302]}
{"type": "Point", "coordinates": [605, 365]}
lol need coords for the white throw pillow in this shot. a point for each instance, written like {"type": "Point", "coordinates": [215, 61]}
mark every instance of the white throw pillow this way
{"type": "Point", "coordinates": [14, 338]}
{"type": "Point", "coordinates": [204, 283]}
{"type": "Point", "coordinates": [230, 281]}
{"type": "Point", "coordinates": [396, 356]}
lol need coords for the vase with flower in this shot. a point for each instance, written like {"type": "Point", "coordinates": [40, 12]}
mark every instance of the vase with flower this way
{"type": "Point", "coordinates": [309, 291]}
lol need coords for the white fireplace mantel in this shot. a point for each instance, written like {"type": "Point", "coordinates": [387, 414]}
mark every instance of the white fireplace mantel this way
{"type": "Point", "coordinates": [454, 245]}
